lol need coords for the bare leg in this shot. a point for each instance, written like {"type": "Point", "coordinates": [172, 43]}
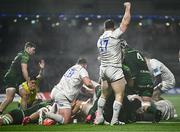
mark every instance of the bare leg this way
{"type": "Point", "coordinates": [10, 93]}
{"type": "Point", "coordinates": [66, 113]}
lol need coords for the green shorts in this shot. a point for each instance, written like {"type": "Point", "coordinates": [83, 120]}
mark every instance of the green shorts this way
{"type": "Point", "coordinates": [12, 82]}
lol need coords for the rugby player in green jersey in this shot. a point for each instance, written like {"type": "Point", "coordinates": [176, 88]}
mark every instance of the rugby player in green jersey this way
{"type": "Point", "coordinates": [17, 116]}
{"type": "Point", "coordinates": [141, 81]}
{"type": "Point", "coordinates": [17, 73]}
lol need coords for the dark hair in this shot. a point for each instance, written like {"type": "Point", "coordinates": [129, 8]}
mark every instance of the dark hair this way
{"type": "Point", "coordinates": [109, 24]}
{"type": "Point", "coordinates": [81, 61]}
{"type": "Point", "coordinates": [33, 77]}
{"type": "Point", "coordinates": [29, 44]}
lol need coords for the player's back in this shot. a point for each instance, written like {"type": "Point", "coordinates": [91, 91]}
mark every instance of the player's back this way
{"type": "Point", "coordinates": [157, 67]}
{"type": "Point", "coordinates": [135, 61]}
{"type": "Point", "coordinates": [71, 82]}
{"type": "Point", "coordinates": [109, 48]}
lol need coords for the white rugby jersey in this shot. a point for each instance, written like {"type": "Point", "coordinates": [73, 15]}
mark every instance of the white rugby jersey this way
{"type": "Point", "coordinates": [158, 68]}
{"type": "Point", "coordinates": [71, 82]}
{"type": "Point", "coordinates": [109, 48]}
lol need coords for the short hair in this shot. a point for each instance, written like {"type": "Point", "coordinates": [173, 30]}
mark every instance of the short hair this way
{"type": "Point", "coordinates": [29, 44]}
{"type": "Point", "coordinates": [109, 24]}
{"type": "Point", "coordinates": [81, 61]}
{"type": "Point", "coordinates": [33, 77]}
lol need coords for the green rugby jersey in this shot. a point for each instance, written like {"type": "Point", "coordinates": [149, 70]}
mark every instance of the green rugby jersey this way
{"type": "Point", "coordinates": [14, 75]}
{"type": "Point", "coordinates": [139, 70]}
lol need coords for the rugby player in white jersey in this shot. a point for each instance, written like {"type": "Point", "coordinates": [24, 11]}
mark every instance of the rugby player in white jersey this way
{"type": "Point", "coordinates": [111, 66]}
{"type": "Point", "coordinates": [164, 78]}
{"type": "Point", "coordinates": [67, 90]}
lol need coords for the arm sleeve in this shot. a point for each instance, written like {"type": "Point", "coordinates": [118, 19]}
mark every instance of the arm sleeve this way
{"type": "Point", "coordinates": [117, 33]}
{"type": "Point", "coordinates": [24, 59]}
{"type": "Point", "coordinates": [156, 68]}
{"type": "Point", "coordinates": [83, 73]}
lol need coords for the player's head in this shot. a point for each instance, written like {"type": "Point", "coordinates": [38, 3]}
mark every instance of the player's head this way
{"type": "Point", "coordinates": [32, 83]}
{"type": "Point", "coordinates": [30, 48]}
{"type": "Point", "coordinates": [82, 61]}
{"type": "Point", "coordinates": [109, 24]}
{"type": "Point", "coordinates": [123, 43]}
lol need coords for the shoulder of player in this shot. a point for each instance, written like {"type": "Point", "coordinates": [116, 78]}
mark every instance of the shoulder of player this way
{"type": "Point", "coordinates": [131, 50]}
{"type": "Point", "coordinates": [25, 87]}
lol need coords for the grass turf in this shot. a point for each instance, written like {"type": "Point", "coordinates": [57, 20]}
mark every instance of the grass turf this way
{"type": "Point", "coordinates": [165, 126]}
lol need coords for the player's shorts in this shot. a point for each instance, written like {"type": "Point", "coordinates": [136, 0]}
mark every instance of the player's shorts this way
{"type": "Point", "coordinates": [60, 99]}
{"type": "Point", "coordinates": [12, 82]}
{"type": "Point", "coordinates": [111, 73]}
{"type": "Point", "coordinates": [167, 85]}
{"type": "Point", "coordinates": [17, 116]}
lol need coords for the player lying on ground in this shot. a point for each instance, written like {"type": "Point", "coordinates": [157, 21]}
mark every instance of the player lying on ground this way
{"type": "Point", "coordinates": [166, 110]}
{"type": "Point", "coordinates": [16, 116]}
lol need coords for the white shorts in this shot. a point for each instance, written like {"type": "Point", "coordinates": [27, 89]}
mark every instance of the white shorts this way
{"type": "Point", "coordinates": [111, 73]}
{"type": "Point", "coordinates": [60, 99]}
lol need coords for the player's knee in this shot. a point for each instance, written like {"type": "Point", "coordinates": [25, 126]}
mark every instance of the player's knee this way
{"type": "Point", "coordinates": [9, 99]}
{"type": "Point", "coordinates": [119, 97]}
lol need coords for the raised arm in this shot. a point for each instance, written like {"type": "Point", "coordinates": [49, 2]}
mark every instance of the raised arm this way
{"type": "Point", "coordinates": [126, 18]}
{"type": "Point", "coordinates": [41, 65]}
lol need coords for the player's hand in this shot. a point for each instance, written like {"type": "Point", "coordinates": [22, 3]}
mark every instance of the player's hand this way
{"type": "Point", "coordinates": [127, 4]}
{"type": "Point", "coordinates": [42, 64]}
{"type": "Point", "coordinates": [26, 120]}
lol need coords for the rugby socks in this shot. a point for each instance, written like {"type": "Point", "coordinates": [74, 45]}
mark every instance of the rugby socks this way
{"type": "Point", "coordinates": [56, 117]}
{"type": "Point", "coordinates": [116, 108]}
{"type": "Point", "coordinates": [101, 104]}
{"type": "Point", "coordinates": [6, 120]}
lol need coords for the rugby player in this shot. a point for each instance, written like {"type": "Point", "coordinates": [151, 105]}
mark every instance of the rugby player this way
{"type": "Point", "coordinates": [68, 88]}
{"type": "Point", "coordinates": [111, 73]}
{"type": "Point", "coordinates": [17, 74]}
{"type": "Point", "coordinates": [163, 77]}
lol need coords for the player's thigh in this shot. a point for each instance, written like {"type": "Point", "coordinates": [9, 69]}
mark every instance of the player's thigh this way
{"type": "Point", "coordinates": [66, 113]}
{"type": "Point", "coordinates": [64, 107]}
{"type": "Point", "coordinates": [119, 85]}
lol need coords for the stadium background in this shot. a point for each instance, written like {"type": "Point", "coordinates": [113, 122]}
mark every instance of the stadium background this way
{"type": "Point", "coordinates": [66, 29]}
